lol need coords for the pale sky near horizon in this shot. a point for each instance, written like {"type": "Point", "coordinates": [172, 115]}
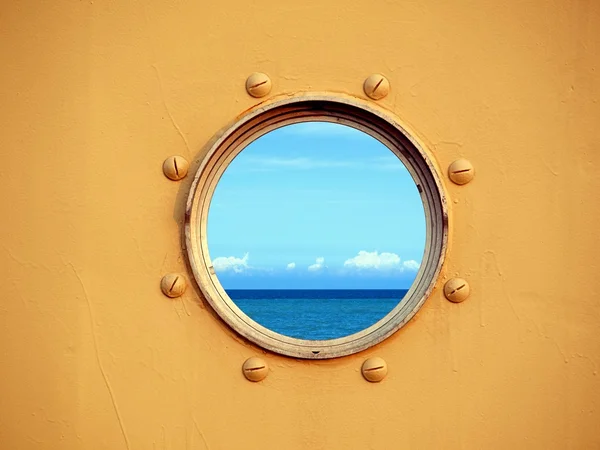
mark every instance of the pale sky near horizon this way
{"type": "Point", "coordinates": [316, 206]}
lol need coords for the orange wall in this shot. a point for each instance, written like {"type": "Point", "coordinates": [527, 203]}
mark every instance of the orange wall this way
{"type": "Point", "coordinates": [96, 94]}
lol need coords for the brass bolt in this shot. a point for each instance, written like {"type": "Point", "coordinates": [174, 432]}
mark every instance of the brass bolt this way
{"type": "Point", "coordinates": [376, 86]}
{"type": "Point", "coordinates": [175, 167]}
{"type": "Point", "coordinates": [374, 369]}
{"type": "Point", "coordinates": [255, 369]}
{"type": "Point", "coordinates": [461, 171]}
{"type": "Point", "coordinates": [173, 285]}
{"type": "Point", "coordinates": [456, 290]}
{"type": "Point", "coordinates": [258, 84]}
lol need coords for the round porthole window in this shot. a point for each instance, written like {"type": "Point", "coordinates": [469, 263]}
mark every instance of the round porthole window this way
{"type": "Point", "coordinates": [316, 227]}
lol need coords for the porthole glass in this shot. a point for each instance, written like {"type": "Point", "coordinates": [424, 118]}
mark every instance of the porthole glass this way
{"type": "Point", "coordinates": [316, 226]}
{"type": "Point", "coordinates": [316, 230]}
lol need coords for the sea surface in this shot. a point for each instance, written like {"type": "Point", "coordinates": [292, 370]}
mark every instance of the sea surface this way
{"type": "Point", "coordinates": [316, 314]}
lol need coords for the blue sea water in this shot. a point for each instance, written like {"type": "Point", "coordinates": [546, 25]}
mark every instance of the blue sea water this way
{"type": "Point", "coordinates": [316, 314]}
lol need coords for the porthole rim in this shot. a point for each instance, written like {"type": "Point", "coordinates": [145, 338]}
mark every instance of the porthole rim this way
{"type": "Point", "coordinates": [325, 107]}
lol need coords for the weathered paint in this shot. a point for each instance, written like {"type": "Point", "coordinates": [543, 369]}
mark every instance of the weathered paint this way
{"type": "Point", "coordinates": [96, 95]}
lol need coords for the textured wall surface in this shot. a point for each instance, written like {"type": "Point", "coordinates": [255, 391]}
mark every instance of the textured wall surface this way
{"type": "Point", "coordinates": [95, 95]}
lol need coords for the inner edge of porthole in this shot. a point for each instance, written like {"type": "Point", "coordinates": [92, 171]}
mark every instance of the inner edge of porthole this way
{"type": "Point", "coordinates": [316, 108]}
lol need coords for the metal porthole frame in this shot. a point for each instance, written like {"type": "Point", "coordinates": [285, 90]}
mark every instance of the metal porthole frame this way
{"type": "Point", "coordinates": [304, 108]}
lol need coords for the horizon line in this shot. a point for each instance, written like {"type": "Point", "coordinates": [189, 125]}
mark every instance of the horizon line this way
{"type": "Point", "coordinates": [317, 289]}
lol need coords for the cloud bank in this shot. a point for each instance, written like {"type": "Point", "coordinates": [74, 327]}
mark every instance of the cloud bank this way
{"type": "Point", "coordinates": [380, 261]}
{"type": "Point", "coordinates": [411, 264]}
{"type": "Point", "coordinates": [363, 261]}
{"type": "Point", "coordinates": [231, 263]}
{"type": "Point", "coordinates": [320, 263]}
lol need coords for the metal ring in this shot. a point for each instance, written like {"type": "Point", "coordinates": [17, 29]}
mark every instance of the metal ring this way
{"type": "Point", "coordinates": [304, 108]}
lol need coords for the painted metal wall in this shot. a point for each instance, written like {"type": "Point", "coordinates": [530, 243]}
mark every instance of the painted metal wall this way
{"type": "Point", "coordinates": [95, 95]}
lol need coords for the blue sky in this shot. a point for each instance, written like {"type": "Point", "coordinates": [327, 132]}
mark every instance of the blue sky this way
{"type": "Point", "coordinates": [316, 206]}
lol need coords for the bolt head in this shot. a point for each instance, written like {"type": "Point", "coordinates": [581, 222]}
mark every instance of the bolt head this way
{"type": "Point", "coordinates": [457, 290]}
{"type": "Point", "coordinates": [376, 86]}
{"type": "Point", "coordinates": [175, 167]}
{"type": "Point", "coordinates": [258, 85]}
{"type": "Point", "coordinates": [173, 285]}
{"type": "Point", "coordinates": [374, 369]}
{"type": "Point", "coordinates": [255, 369]}
{"type": "Point", "coordinates": [461, 171]}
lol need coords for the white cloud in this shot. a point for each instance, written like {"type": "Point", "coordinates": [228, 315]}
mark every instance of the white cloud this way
{"type": "Point", "coordinates": [320, 263]}
{"type": "Point", "coordinates": [411, 264]}
{"type": "Point", "coordinates": [373, 260]}
{"type": "Point", "coordinates": [380, 261]}
{"type": "Point", "coordinates": [364, 260]}
{"type": "Point", "coordinates": [224, 264]}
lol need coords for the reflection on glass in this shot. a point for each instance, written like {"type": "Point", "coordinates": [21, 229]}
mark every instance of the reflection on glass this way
{"type": "Point", "coordinates": [316, 230]}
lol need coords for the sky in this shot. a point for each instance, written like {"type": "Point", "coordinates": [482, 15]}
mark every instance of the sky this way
{"type": "Point", "coordinates": [316, 206]}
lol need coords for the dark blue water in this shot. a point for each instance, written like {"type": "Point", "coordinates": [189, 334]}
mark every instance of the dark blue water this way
{"type": "Point", "coordinates": [316, 314]}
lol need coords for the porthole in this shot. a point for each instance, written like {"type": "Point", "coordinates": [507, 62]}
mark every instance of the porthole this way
{"type": "Point", "coordinates": [291, 298]}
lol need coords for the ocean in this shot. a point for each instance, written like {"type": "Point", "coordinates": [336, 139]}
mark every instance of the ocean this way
{"type": "Point", "coordinates": [316, 314]}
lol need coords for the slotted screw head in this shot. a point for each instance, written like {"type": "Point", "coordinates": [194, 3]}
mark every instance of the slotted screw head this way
{"type": "Point", "coordinates": [456, 290]}
{"type": "Point", "coordinates": [258, 84]}
{"type": "Point", "coordinates": [374, 369]}
{"type": "Point", "coordinates": [255, 369]}
{"type": "Point", "coordinates": [461, 171]}
{"type": "Point", "coordinates": [376, 86]}
{"type": "Point", "coordinates": [173, 285]}
{"type": "Point", "coordinates": [175, 167]}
